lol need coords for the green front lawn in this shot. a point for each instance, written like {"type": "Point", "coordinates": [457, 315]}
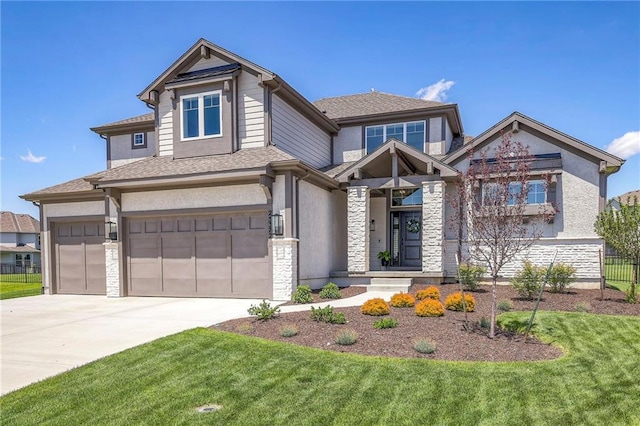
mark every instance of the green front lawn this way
{"type": "Point", "coordinates": [264, 382]}
{"type": "Point", "coordinates": [10, 290]}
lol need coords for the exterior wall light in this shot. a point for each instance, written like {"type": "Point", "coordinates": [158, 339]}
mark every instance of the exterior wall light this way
{"type": "Point", "coordinates": [277, 229]}
{"type": "Point", "coordinates": [372, 225]}
{"type": "Point", "coordinates": [112, 230]}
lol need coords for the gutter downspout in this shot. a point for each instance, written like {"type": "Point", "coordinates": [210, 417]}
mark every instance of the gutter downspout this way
{"type": "Point", "coordinates": [270, 123]}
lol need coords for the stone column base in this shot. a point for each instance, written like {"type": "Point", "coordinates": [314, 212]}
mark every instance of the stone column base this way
{"type": "Point", "coordinates": [112, 269]}
{"type": "Point", "coordinates": [285, 267]}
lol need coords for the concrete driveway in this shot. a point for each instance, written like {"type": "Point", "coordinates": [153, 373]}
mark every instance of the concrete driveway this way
{"type": "Point", "coordinates": [42, 336]}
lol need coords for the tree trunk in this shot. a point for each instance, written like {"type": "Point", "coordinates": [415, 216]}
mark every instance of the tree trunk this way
{"type": "Point", "coordinates": [494, 296]}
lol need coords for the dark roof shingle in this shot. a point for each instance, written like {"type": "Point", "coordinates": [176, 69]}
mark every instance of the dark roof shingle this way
{"type": "Point", "coordinates": [206, 73]}
{"type": "Point", "coordinates": [138, 119]}
{"type": "Point", "coordinates": [18, 223]}
{"type": "Point", "coordinates": [370, 103]}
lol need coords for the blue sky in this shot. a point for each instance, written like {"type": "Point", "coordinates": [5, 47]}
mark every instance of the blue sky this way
{"type": "Point", "coordinates": [70, 66]}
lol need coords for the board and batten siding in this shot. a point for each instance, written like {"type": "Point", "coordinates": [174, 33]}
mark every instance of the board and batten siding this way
{"type": "Point", "coordinates": [165, 125]}
{"type": "Point", "coordinates": [250, 112]}
{"type": "Point", "coordinates": [212, 62]}
{"type": "Point", "coordinates": [297, 135]}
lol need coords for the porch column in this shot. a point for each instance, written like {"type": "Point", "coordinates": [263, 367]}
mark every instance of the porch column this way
{"type": "Point", "coordinates": [112, 268]}
{"type": "Point", "coordinates": [358, 215]}
{"type": "Point", "coordinates": [433, 226]}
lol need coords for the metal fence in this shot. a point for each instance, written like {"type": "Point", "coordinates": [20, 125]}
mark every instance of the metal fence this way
{"type": "Point", "coordinates": [619, 269]}
{"type": "Point", "coordinates": [20, 274]}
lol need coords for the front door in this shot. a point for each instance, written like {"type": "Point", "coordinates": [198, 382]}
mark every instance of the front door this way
{"type": "Point", "coordinates": [411, 239]}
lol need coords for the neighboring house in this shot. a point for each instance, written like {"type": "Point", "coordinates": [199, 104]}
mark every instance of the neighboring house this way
{"type": "Point", "coordinates": [19, 243]}
{"type": "Point", "coordinates": [237, 186]}
{"type": "Point", "coordinates": [627, 198]}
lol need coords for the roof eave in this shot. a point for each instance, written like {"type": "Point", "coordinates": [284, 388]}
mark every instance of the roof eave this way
{"type": "Point", "coordinates": [90, 195]}
{"type": "Point", "coordinates": [123, 128]}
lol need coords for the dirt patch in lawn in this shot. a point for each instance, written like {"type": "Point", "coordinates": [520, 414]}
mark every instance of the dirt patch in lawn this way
{"type": "Point", "coordinates": [452, 341]}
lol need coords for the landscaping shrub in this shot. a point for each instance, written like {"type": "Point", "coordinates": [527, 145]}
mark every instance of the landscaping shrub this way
{"type": "Point", "coordinates": [302, 294]}
{"type": "Point", "coordinates": [244, 328]}
{"type": "Point", "coordinates": [528, 280]}
{"type": "Point", "coordinates": [424, 346]}
{"type": "Point", "coordinates": [470, 275]}
{"type": "Point", "coordinates": [561, 277]}
{"type": "Point", "coordinates": [430, 292]}
{"type": "Point", "coordinates": [375, 307]}
{"type": "Point", "coordinates": [583, 307]}
{"type": "Point", "coordinates": [484, 322]}
{"type": "Point", "coordinates": [505, 305]}
{"type": "Point", "coordinates": [327, 315]}
{"type": "Point", "coordinates": [346, 337]}
{"type": "Point", "coordinates": [385, 323]}
{"type": "Point", "coordinates": [453, 302]}
{"type": "Point", "coordinates": [330, 291]}
{"type": "Point", "coordinates": [288, 330]}
{"type": "Point", "coordinates": [429, 308]}
{"type": "Point", "coordinates": [264, 311]}
{"type": "Point", "coordinates": [631, 296]}
{"type": "Point", "coordinates": [402, 300]}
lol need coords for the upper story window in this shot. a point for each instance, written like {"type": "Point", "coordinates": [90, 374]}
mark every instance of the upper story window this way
{"type": "Point", "coordinates": [536, 192]}
{"type": "Point", "coordinates": [138, 140]}
{"type": "Point", "coordinates": [411, 133]}
{"type": "Point", "coordinates": [201, 115]}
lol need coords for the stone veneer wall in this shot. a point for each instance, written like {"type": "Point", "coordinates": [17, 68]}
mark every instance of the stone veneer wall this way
{"type": "Point", "coordinates": [433, 222]}
{"type": "Point", "coordinates": [581, 253]}
{"type": "Point", "coordinates": [112, 269]}
{"type": "Point", "coordinates": [358, 215]}
{"type": "Point", "coordinates": [285, 267]}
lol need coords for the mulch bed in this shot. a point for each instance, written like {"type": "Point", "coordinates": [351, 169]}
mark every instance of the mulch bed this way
{"type": "Point", "coordinates": [447, 332]}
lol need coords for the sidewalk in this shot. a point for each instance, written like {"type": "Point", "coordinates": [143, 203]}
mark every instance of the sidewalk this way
{"type": "Point", "coordinates": [357, 300]}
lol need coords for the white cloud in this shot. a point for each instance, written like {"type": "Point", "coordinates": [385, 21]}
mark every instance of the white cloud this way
{"type": "Point", "coordinates": [436, 92]}
{"type": "Point", "coordinates": [626, 145]}
{"type": "Point", "coordinates": [30, 158]}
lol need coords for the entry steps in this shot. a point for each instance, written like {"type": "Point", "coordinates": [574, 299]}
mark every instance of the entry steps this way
{"type": "Point", "coordinates": [396, 285]}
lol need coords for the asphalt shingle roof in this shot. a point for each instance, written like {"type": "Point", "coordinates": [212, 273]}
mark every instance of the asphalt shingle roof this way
{"type": "Point", "coordinates": [18, 223]}
{"type": "Point", "coordinates": [75, 185]}
{"type": "Point", "coordinates": [370, 103]}
{"type": "Point", "coordinates": [159, 167]}
{"type": "Point", "coordinates": [138, 119]}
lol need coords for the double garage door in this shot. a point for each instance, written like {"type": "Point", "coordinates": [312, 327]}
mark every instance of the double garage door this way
{"type": "Point", "coordinates": [223, 255]}
{"type": "Point", "coordinates": [79, 258]}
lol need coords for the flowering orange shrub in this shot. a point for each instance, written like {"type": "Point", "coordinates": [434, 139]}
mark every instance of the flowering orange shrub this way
{"type": "Point", "coordinates": [430, 308]}
{"type": "Point", "coordinates": [430, 292]}
{"type": "Point", "coordinates": [402, 300]}
{"type": "Point", "coordinates": [453, 302]}
{"type": "Point", "coordinates": [376, 307]}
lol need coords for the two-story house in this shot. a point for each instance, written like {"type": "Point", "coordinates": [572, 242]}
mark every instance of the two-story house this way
{"type": "Point", "coordinates": [19, 243]}
{"type": "Point", "coordinates": [235, 185]}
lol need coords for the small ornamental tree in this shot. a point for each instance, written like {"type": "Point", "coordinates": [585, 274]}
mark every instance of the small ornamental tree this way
{"type": "Point", "coordinates": [490, 207]}
{"type": "Point", "coordinates": [621, 230]}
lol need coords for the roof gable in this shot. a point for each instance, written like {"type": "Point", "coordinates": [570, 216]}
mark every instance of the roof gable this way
{"type": "Point", "coordinates": [515, 120]}
{"type": "Point", "coordinates": [201, 49]}
{"type": "Point", "coordinates": [411, 157]}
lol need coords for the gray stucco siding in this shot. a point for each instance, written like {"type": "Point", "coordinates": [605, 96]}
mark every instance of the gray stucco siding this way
{"type": "Point", "coordinates": [121, 151]}
{"type": "Point", "coordinates": [347, 145]}
{"type": "Point", "coordinates": [297, 135]}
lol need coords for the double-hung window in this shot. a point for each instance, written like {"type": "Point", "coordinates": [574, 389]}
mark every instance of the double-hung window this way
{"type": "Point", "coordinates": [139, 140]}
{"type": "Point", "coordinates": [201, 115]}
{"type": "Point", "coordinates": [411, 133]}
{"type": "Point", "coordinates": [536, 192]}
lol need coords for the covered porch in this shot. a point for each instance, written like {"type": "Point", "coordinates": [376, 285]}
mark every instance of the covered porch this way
{"type": "Point", "coordinates": [396, 205]}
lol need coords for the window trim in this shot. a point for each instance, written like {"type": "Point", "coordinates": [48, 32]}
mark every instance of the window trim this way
{"type": "Point", "coordinates": [200, 97]}
{"type": "Point", "coordinates": [404, 133]}
{"type": "Point", "coordinates": [406, 206]}
{"type": "Point", "coordinates": [133, 140]}
{"type": "Point", "coordinates": [486, 185]}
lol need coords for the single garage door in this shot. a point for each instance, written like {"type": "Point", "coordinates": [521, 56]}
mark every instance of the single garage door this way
{"type": "Point", "coordinates": [225, 255]}
{"type": "Point", "coordinates": [80, 258]}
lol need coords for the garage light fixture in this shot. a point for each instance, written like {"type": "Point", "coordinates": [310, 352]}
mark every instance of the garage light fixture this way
{"type": "Point", "coordinates": [112, 230]}
{"type": "Point", "coordinates": [277, 229]}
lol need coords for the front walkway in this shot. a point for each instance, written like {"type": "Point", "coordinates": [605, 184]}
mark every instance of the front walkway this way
{"type": "Point", "coordinates": [356, 300]}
